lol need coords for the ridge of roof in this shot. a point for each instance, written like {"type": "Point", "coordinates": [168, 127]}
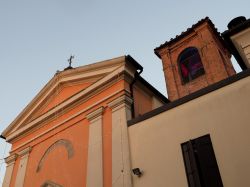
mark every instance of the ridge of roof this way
{"type": "Point", "coordinates": [126, 58]}
{"type": "Point", "coordinates": [188, 31]}
{"type": "Point", "coordinates": [91, 66]}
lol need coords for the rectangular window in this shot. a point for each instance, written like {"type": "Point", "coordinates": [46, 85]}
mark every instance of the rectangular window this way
{"type": "Point", "coordinates": [200, 163]}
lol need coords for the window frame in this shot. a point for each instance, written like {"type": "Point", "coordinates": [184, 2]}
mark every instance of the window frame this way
{"type": "Point", "coordinates": [198, 173]}
{"type": "Point", "coordinates": [179, 62]}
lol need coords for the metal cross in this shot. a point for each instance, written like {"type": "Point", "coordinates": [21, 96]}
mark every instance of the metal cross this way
{"type": "Point", "coordinates": [70, 60]}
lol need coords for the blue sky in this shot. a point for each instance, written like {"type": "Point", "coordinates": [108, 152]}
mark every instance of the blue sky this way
{"type": "Point", "coordinates": [37, 38]}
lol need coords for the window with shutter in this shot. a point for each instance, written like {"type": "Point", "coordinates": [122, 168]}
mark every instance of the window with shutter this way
{"type": "Point", "coordinates": [200, 163]}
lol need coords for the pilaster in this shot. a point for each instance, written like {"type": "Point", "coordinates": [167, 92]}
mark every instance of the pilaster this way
{"type": "Point", "coordinates": [121, 164]}
{"type": "Point", "coordinates": [10, 161]}
{"type": "Point", "coordinates": [24, 154]}
{"type": "Point", "coordinates": [95, 153]}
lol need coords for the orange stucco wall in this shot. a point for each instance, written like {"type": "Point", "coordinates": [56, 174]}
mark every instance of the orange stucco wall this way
{"type": "Point", "coordinates": [143, 102]}
{"type": "Point", "coordinates": [59, 118]}
{"type": "Point", "coordinates": [57, 167]}
{"type": "Point", "coordinates": [61, 94]}
{"type": "Point", "coordinates": [107, 148]}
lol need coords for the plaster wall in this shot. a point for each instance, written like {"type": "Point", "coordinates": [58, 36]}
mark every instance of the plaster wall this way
{"type": "Point", "coordinates": [58, 166]}
{"type": "Point", "coordinates": [144, 100]}
{"type": "Point", "coordinates": [242, 43]}
{"type": "Point", "coordinates": [155, 143]}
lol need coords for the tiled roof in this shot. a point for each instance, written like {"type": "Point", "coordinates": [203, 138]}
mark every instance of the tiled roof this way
{"type": "Point", "coordinates": [188, 31]}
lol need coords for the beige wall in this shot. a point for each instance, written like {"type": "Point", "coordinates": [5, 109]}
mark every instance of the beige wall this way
{"type": "Point", "coordinates": [155, 143]}
{"type": "Point", "coordinates": [242, 42]}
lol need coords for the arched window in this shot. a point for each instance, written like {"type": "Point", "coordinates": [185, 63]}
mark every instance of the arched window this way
{"type": "Point", "coordinates": [190, 64]}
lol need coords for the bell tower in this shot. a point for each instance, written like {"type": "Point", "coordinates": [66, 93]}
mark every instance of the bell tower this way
{"type": "Point", "coordinates": [194, 60]}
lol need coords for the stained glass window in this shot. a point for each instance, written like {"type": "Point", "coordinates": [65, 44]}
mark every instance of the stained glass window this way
{"type": "Point", "coordinates": [190, 64]}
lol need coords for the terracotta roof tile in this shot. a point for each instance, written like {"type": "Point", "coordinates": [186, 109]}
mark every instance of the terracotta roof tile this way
{"type": "Point", "coordinates": [188, 31]}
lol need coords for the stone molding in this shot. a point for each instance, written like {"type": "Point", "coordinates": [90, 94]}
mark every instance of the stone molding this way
{"type": "Point", "coordinates": [11, 159]}
{"type": "Point", "coordinates": [24, 152]}
{"type": "Point", "coordinates": [95, 149]}
{"type": "Point", "coordinates": [85, 94]}
{"type": "Point", "coordinates": [66, 120]}
{"type": "Point", "coordinates": [93, 70]}
{"type": "Point", "coordinates": [95, 115]}
{"type": "Point", "coordinates": [22, 166]}
{"type": "Point", "coordinates": [62, 142]}
{"type": "Point", "coordinates": [121, 167]}
{"type": "Point", "coordinates": [120, 101]}
{"type": "Point", "coordinates": [50, 184]}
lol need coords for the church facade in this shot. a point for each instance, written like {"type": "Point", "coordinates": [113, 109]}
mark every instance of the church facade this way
{"type": "Point", "coordinates": [104, 125]}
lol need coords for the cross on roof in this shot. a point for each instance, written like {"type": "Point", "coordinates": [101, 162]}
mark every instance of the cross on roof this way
{"type": "Point", "coordinates": [70, 60]}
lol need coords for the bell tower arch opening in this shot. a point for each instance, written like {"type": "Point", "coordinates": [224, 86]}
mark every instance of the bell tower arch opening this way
{"type": "Point", "coordinates": [190, 64]}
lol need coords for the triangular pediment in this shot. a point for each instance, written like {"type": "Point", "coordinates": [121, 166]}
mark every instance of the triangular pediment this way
{"type": "Point", "coordinates": [63, 88]}
{"type": "Point", "coordinates": [60, 93]}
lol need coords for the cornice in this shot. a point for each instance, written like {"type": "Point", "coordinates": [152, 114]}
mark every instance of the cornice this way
{"type": "Point", "coordinates": [122, 72]}
{"type": "Point", "coordinates": [120, 101]}
{"type": "Point", "coordinates": [85, 93]}
{"type": "Point", "coordinates": [95, 114]}
{"type": "Point", "coordinates": [11, 159]}
{"type": "Point", "coordinates": [50, 115]}
{"type": "Point", "coordinates": [59, 124]}
{"type": "Point", "coordinates": [24, 152]}
{"type": "Point", "coordinates": [88, 71]}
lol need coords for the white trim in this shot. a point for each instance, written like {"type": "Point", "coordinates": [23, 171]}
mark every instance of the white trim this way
{"type": "Point", "coordinates": [21, 172]}
{"type": "Point", "coordinates": [95, 114]}
{"type": "Point", "coordinates": [58, 107]}
{"type": "Point", "coordinates": [11, 159]}
{"type": "Point", "coordinates": [95, 153]}
{"type": "Point", "coordinates": [121, 167]}
{"type": "Point", "coordinates": [24, 152]}
{"type": "Point", "coordinates": [66, 120]}
{"type": "Point", "coordinates": [124, 99]}
{"type": "Point", "coordinates": [69, 75]}
{"type": "Point", "coordinates": [67, 103]}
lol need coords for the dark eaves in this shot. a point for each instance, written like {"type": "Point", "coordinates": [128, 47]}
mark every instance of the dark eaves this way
{"type": "Point", "coordinates": [235, 26]}
{"type": "Point", "coordinates": [128, 58]}
{"type": "Point", "coordinates": [1, 136]}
